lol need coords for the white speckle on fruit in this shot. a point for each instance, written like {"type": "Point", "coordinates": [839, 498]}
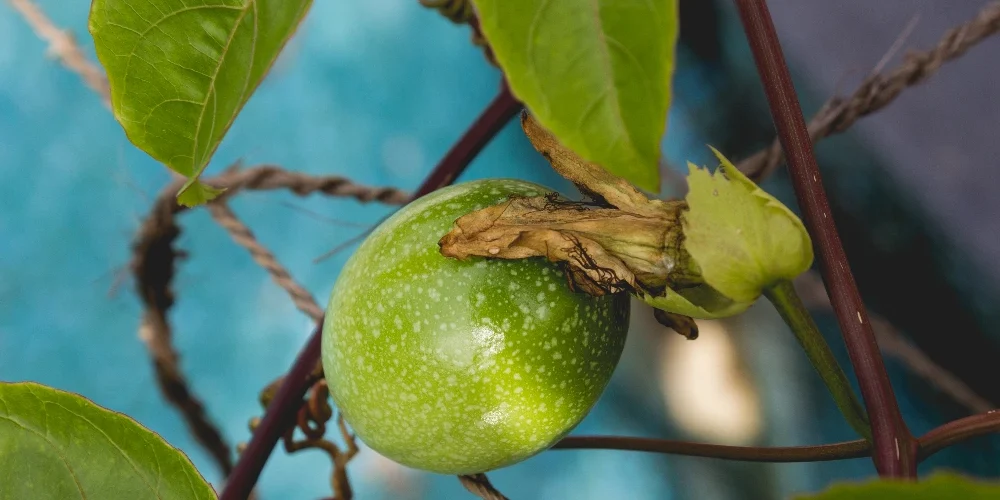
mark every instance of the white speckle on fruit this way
{"type": "Point", "coordinates": [541, 312]}
{"type": "Point", "coordinates": [489, 341]}
{"type": "Point", "coordinates": [495, 416]}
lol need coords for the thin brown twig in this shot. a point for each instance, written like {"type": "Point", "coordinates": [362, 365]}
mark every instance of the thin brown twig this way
{"type": "Point", "coordinates": [457, 11]}
{"type": "Point", "coordinates": [837, 451]}
{"type": "Point", "coordinates": [312, 420]}
{"type": "Point", "coordinates": [244, 237]}
{"type": "Point", "coordinates": [312, 417]}
{"type": "Point", "coordinates": [63, 46]}
{"type": "Point", "coordinates": [153, 265]}
{"type": "Point", "coordinates": [894, 344]}
{"type": "Point", "coordinates": [479, 485]}
{"type": "Point", "coordinates": [462, 12]}
{"type": "Point", "coordinates": [270, 177]}
{"type": "Point", "coordinates": [957, 431]}
{"type": "Point", "coordinates": [879, 90]}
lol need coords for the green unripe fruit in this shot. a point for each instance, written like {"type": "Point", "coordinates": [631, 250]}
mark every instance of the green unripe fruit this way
{"type": "Point", "coordinates": [461, 367]}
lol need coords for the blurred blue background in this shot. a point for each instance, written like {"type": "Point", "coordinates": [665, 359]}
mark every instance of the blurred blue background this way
{"type": "Point", "coordinates": [378, 91]}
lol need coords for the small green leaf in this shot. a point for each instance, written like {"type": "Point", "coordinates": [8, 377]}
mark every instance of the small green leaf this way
{"type": "Point", "coordinates": [58, 445]}
{"type": "Point", "coordinates": [180, 72]}
{"type": "Point", "coordinates": [676, 303]}
{"type": "Point", "coordinates": [741, 237]}
{"type": "Point", "coordinates": [597, 73]}
{"type": "Point", "coordinates": [940, 486]}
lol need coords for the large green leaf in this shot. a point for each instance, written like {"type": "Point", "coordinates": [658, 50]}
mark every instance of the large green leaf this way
{"type": "Point", "coordinates": [940, 486]}
{"type": "Point", "coordinates": [180, 71]}
{"type": "Point", "coordinates": [57, 445]}
{"type": "Point", "coordinates": [597, 73]}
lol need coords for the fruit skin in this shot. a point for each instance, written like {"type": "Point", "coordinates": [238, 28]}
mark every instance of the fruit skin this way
{"type": "Point", "coordinates": [460, 367]}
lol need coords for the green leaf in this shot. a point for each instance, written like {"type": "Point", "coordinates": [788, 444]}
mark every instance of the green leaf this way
{"type": "Point", "coordinates": [58, 445]}
{"type": "Point", "coordinates": [180, 72]}
{"type": "Point", "coordinates": [940, 486]}
{"type": "Point", "coordinates": [671, 301]}
{"type": "Point", "coordinates": [596, 73]}
{"type": "Point", "coordinates": [741, 237]}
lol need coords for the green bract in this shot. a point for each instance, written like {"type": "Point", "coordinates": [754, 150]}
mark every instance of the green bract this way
{"type": "Point", "coordinates": [741, 240]}
{"type": "Point", "coordinates": [57, 445]}
{"type": "Point", "coordinates": [461, 367]}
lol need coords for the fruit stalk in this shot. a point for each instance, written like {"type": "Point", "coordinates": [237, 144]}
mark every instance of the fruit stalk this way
{"type": "Point", "coordinates": [791, 309]}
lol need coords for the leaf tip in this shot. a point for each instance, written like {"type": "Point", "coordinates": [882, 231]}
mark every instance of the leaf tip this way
{"type": "Point", "coordinates": [195, 193]}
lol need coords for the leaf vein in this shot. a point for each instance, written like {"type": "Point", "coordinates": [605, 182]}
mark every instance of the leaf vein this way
{"type": "Point", "coordinates": [605, 56]}
{"type": "Point", "coordinates": [196, 159]}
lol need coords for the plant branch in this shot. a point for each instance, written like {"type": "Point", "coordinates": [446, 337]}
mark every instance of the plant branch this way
{"type": "Point", "coordinates": [790, 307]}
{"type": "Point", "coordinates": [879, 90]}
{"type": "Point", "coordinates": [838, 451]}
{"type": "Point", "coordinates": [894, 446]}
{"type": "Point", "coordinates": [278, 418]}
{"type": "Point", "coordinates": [958, 430]}
{"type": "Point", "coordinates": [288, 399]}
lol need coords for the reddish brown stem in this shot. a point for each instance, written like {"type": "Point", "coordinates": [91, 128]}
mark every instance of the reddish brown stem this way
{"type": "Point", "coordinates": [958, 430]}
{"type": "Point", "coordinates": [499, 112]}
{"type": "Point", "coordinates": [279, 415]}
{"type": "Point", "coordinates": [894, 453]}
{"type": "Point", "coordinates": [820, 453]}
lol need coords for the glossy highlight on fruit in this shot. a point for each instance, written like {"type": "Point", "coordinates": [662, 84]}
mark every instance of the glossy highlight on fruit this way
{"type": "Point", "coordinates": [461, 367]}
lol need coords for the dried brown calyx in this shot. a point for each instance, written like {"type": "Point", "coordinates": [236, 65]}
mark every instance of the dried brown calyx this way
{"type": "Point", "coordinates": [617, 240]}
